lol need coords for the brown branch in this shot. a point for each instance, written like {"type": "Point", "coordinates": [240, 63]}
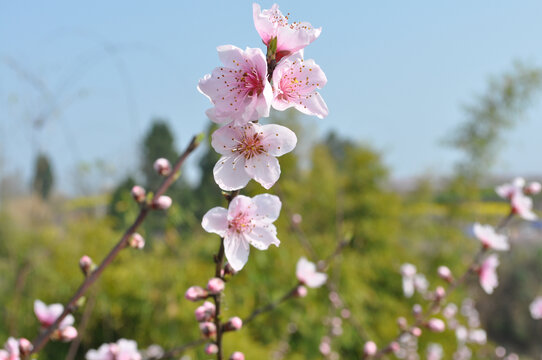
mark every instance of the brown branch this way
{"type": "Point", "coordinates": [71, 305]}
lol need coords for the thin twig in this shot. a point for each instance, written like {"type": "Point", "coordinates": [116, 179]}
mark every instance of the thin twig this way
{"type": "Point", "coordinates": [45, 335]}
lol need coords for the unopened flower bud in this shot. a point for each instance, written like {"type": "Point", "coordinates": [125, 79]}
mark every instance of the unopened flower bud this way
{"type": "Point", "coordinates": [208, 329]}
{"type": "Point", "coordinates": [417, 309]}
{"type": "Point", "coordinates": [25, 346]}
{"type": "Point", "coordinates": [440, 293]}
{"type": "Point", "coordinates": [237, 356]}
{"type": "Point", "coordinates": [211, 349]}
{"type": "Point", "coordinates": [416, 331]}
{"type": "Point", "coordinates": [436, 325]}
{"type": "Point", "coordinates": [162, 166]}
{"type": "Point", "coordinates": [162, 203]}
{"type": "Point", "coordinates": [195, 293]}
{"type": "Point", "coordinates": [68, 333]}
{"type": "Point", "coordinates": [215, 285]}
{"type": "Point", "coordinates": [86, 265]}
{"type": "Point", "coordinates": [402, 323]}
{"type": "Point", "coordinates": [445, 273]}
{"type": "Point", "coordinates": [205, 312]}
{"type": "Point", "coordinates": [394, 346]}
{"type": "Point", "coordinates": [138, 193]}
{"type": "Point", "coordinates": [233, 324]}
{"type": "Point", "coordinates": [533, 188]}
{"type": "Point", "coordinates": [296, 219]}
{"type": "Point", "coordinates": [300, 291]}
{"type": "Point", "coordinates": [369, 349]}
{"type": "Point", "coordinates": [137, 241]}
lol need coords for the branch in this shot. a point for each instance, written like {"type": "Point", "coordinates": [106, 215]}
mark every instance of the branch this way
{"type": "Point", "coordinates": [45, 335]}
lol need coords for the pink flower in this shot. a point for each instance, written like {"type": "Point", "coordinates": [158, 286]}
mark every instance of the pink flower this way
{"type": "Point", "coordinates": [195, 293]}
{"type": "Point", "coordinates": [121, 350]}
{"type": "Point", "coordinates": [295, 82]}
{"type": "Point", "coordinates": [306, 274]}
{"type": "Point", "coordinates": [488, 273]}
{"type": "Point", "coordinates": [11, 351]}
{"type": "Point", "coordinates": [536, 308]}
{"type": "Point", "coordinates": [506, 191]}
{"type": "Point", "coordinates": [237, 356]}
{"type": "Point", "coordinates": [489, 238]}
{"type": "Point", "coordinates": [239, 90]}
{"type": "Point", "coordinates": [436, 325]}
{"type": "Point", "coordinates": [533, 188]}
{"type": "Point", "coordinates": [47, 314]}
{"type": "Point", "coordinates": [291, 37]}
{"type": "Point", "coordinates": [369, 348]}
{"type": "Point", "coordinates": [408, 271]}
{"type": "Point", "coordinates": [248, 221]}
{"type": "Point", "coordinates": [211, 349]}
{"type": "Point", "coordinates": [523, 206]}
{"type": "Point", "coordinates": [235, 323]}
{"type": "Point", "coordinates": [249, 152]}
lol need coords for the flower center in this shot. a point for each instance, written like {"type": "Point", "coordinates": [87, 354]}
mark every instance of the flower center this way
{"type": "Point", "coordinates": [250, 146]}
{"type": "Point", "coordinates": [250, 82]}
{"type": "Point", "coordinates": [241, 223]}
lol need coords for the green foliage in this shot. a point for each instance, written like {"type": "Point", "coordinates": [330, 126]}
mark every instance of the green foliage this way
{"type": "Point", "coordinates": [43, 177]}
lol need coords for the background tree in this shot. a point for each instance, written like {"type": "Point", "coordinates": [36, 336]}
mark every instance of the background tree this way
{"type": "Point", "coordinates": [43, 176]}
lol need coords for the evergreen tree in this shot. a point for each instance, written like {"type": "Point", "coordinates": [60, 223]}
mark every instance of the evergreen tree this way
{"type": "Point", "coordinates": [43, 176]}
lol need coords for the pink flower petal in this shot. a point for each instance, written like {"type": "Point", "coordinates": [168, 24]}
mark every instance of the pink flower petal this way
{"type": "Point", "coordinates": [216, 221]}
{"type": "Point", "coordinates": [262, 237]}
{"type": "Point", "coordinates": [268, 206]}
{"type": "Point", "coordinates": [230, 174]}
{"type": "Point", "coordinates": [236, 250]}
{"type": "Point", "coordinates": [264, 169]}
{"type": "Point", "coordinates": [278, 140]}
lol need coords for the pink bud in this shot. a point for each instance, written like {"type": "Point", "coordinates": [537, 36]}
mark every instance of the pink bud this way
{"type": "Point", "coordinates": [402, 323]}
{"type": "Point", "coordinates": [440, 293]}
{"type": "Point", "coordinates": [233, 324]}
{"type": "Point", "coordinates": [195, 293]}
{"type": "Point", "coordinates": [237, 356]}
{"type": "Point", "coordinates": [369, 349]}
{"type": "Point", "coordinates": [205, 312]}
{"type": "Point", "coordinates": [86, 264]}
{"type": "Point", "coordinates": [300, 291]}
{"type": "Point", "coordinates": [416, 331]}
{"type": "Point", "coordinates": [162, 166]}
{"type": "Point", "coordinates": [445, 273]}
{"type": "Point", "coordinates": [436, 325]}
{"type": "Point", "coordinates": [211, 349]}
{"type": "Point", "coordinates": [394, 346]}
{"type": "Point", "coordinates": [138, 193]}
{"type": "Point", "coordinates": [533, 188]}
{"type": "Point", "coordinates": [137, 241]}
{"type": "Point", "coordinates": [296, 219]}
{"type": "Point", "coordinates": [417, 309]}
{"type": "Point", "coordinates": [25, 346]}
{"type": "Point", "coordinates": [162, 203]}
{"type": "Point", "coordinates": [68, 333]}
{"type": "Point", "coordinates": [215, 285]}
{"type": "Point", "coordinates": [208, 329]}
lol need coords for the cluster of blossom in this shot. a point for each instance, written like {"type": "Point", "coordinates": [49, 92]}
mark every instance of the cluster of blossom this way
{"type": "Point", "coordinates": [122, 349]}
{"type": "Point", "coordinates": [15, 349]}
{"type": "Point", "coordinates": [242, 91]}
{"type": "Point", "coordinates": [406, 346]}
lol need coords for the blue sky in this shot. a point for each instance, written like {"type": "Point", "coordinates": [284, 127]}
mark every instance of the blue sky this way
{"type": "Point", "coordinates": [95, 74]}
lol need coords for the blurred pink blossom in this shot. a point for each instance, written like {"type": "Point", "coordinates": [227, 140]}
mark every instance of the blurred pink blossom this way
{"type": "Point", "coordinates": [489, 238]}
{"type": "Point", "coordinates": [121, 350]}
{"type": "Point", "coordinates": [536, 308]}
{"type": "Point", "coordinates": [488, 273]}
{"type": "Point", "coordinates": [306, 274]}
{"type": "Point", "coordinates": [11, 350]}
